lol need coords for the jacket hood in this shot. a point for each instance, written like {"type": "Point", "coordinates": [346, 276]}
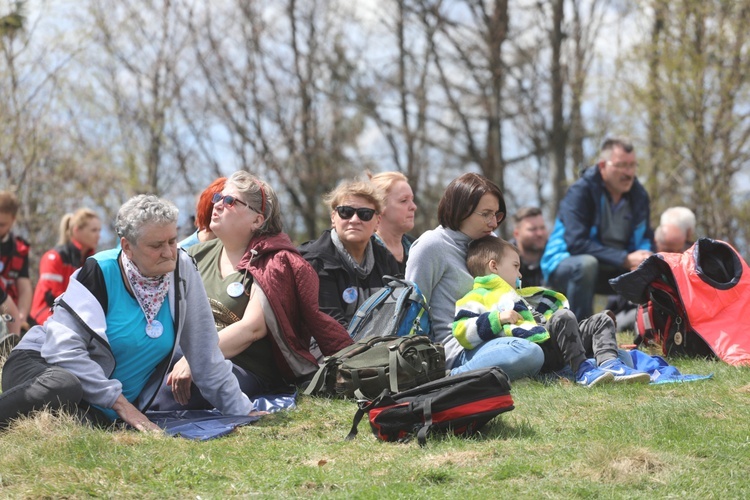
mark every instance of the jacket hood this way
{"type": "Point", "coordinates": [263, 245]}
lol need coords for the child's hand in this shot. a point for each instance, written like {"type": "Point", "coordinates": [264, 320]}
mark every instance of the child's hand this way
{"type": "Point", "coordinates": [509, 317]}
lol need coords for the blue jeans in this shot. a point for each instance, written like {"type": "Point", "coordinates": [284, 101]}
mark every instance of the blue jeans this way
{"type": "Point", "coordinates": [579, 277]}
{"type": "Point", "coordinates": [518, 358]}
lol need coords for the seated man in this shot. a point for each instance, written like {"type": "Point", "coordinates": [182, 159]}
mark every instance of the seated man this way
{"type": "Point", "coordinates": [530, 237]}
{"type": "Point", "coordinates": [601, 231]}
{"type": "Point", "coordinates": [676, 231]}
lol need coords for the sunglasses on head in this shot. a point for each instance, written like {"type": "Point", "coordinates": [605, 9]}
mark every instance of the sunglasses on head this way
{"type": "Point", "coordinates": [346, 212]}
{"type": "Point", "coordinates": [228, 200]}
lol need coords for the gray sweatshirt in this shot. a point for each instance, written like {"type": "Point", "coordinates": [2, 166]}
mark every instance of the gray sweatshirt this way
{"type": "Point", "coordinates": [437, 264]}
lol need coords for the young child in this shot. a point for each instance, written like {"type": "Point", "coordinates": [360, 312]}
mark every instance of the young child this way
{"type": "Point", "coordinates": [499, 306]}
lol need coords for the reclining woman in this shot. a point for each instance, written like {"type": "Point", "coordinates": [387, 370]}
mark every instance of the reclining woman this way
{"type": "Point", "coordinates": [349, 262]}
{"type": "Point", "coordinates": [472, 207]}
{"type": "Point", "coordinates": [106, 350]}
{"type": "Point", "coordinates": [263, 294]}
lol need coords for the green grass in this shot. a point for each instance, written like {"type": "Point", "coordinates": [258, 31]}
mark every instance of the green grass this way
{"type": "Point", "coordinates": [562, 441]}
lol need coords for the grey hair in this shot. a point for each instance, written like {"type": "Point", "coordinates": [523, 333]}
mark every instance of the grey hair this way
{"type": "Point", "coordinates": [261, 197]}
{"type": "Point", "coordinates": [140, 210]}
{"type": "Point", "coordinates": [682, 217]}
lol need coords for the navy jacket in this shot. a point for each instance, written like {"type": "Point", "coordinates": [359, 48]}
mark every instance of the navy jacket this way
{"type": "Point", "coordinates": [576, 230]}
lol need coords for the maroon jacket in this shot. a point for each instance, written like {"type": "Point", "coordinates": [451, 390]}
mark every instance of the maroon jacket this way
{"type": "Point", "coordinates": [291, 286]}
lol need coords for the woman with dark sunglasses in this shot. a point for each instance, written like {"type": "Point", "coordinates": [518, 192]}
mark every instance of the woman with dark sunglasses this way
{"type": "Point", "coordinates": [472, 207]}
{"type": "Point", "coordinates": [349, 263]}
{"type": "Point", "coordinates": [263, 294]}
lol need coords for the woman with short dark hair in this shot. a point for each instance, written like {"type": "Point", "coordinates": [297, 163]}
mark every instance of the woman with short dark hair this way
{"type": "Point", "coordinates": [471, 207]}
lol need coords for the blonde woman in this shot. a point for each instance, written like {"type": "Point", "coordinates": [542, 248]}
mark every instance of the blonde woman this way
{"type": "Point", "coordinates": [397, 218]}
{"type": "Point", "coordinates": [79, 237]}
{"type": "Point", "coordinates": [348, 262]}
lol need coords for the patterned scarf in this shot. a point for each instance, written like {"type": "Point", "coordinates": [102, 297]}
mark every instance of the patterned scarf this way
{"type": "Point", "coordinates": [361, 270]}
{"type": "Point", "coordinates": [150, 292]}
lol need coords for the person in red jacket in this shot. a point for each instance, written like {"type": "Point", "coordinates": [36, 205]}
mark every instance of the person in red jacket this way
{"type": "Point", "coordinates": [14, 258]}
{"type": "Point", "coordinates": [264, 297]}
{"type": "Point", "coordinates": [79, 237]}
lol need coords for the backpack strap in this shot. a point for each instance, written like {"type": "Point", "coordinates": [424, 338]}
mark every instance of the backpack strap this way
{"type": "Point", "coordinates": [319, 379]}
{"type": "Point", "coordinates": [427, 416]}
{"type": "Point", "coordinates": [364, 406]}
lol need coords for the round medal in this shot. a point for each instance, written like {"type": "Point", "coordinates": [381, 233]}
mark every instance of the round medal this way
{"type": "Point", "coordinates": [154, 329]}
{"type": "Point", "coordinates": [350, 295]}
{"type": "Point", "coordinates": [235, 289]}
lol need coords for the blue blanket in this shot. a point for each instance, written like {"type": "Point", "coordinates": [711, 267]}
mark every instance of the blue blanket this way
{"type": "Point", "coordinates": [202, 425]}
{"type": "Point", "coordinates": [661, 372]}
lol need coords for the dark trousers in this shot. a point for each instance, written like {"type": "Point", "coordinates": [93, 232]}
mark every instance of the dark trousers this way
{"type": "Point", "coordinates": [31, 384]}
{"type": "Point", "coordinates": [251, 384]}
{"type": "Point", "coordinates": [571, 342]}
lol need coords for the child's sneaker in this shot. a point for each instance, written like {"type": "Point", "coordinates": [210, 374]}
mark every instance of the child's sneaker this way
{"type": "Point", "coordinates": [623, 373]}
{"type": "Point", "coordinates": [589, 375]}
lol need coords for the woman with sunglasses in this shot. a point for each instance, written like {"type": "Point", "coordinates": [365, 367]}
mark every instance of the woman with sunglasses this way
{"type": "Point", "coordinates": [349, 263]}
{"type": "Point", "coordinates": [472, 207]}
{"type": "Point", "coordinates": [105, 351]}
{"type": "Point", "coordinates": [263, 294]}
{"type": "Point", "coordinates": [79, 237]}
{"type": "Point", "coordinates": [398, 215]}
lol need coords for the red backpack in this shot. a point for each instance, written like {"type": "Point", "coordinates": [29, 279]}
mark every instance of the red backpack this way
{"type": "Point", "coordinates": [662, 321]}
{"type": "Point", "coordinates": [461, 404]}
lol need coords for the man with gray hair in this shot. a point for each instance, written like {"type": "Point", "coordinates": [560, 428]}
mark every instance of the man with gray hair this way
{"type": "Point", "coordinates": [602, 229]}
{"type": "Point", "coordinates": [676, 231]}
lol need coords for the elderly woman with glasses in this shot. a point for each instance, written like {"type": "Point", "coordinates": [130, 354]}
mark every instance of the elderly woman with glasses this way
{"type": "Point", "coordinates": [472, 207]}
{"type": "Point", "coordinates": [263, 294]}
{"type": "Point", "coordinates": [348, 261]}
{"type": "Point", "coordinates": [106, 349]}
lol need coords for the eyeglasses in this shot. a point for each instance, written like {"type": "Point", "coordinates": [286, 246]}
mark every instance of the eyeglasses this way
{"type": "Point", "coordinates": [624, 166]}
{"type": "Point", "coordinates": [229, 200]}
{"type": "Point", "coordinates": [490, 216]}
{"type": "Point", "coordinates": [346, 212]}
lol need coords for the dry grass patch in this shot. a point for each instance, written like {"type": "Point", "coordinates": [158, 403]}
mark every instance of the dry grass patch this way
{"type": "Point", "coordinates": [618, 466]}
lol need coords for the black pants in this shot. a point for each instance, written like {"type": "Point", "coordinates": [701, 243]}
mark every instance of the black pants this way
{"type": "Point", "coordinates": [31, 384]}
{"type": "Point", "coordinates": [572, 342]}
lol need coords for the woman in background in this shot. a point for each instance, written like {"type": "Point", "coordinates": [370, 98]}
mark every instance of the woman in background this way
{"type": "Point", "coordinates": [79, 237]}
{"type": "Point", "coordinates": [203, 209]}
{"type": "Point", "coordinates": [397, 218]}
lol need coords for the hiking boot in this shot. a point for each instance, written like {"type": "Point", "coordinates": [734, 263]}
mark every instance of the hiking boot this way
{"type": "Point", "coordinates": [589, 375]}
{"type": "Point", "coordinates": [623, 373]}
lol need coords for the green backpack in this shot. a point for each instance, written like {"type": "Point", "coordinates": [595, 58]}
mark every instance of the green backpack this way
{"type": "Point", "coordinates": [367, 367]}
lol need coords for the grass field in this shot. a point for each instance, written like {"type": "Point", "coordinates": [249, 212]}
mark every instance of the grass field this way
{"type": "Point", "coordinates": [687, 440]}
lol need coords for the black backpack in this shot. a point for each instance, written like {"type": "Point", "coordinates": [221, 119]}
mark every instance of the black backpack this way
{"type": "Point", "coordinates": [370, 365]}
{"type": "Point", "coordinates": [461, 404]}
{"type": "Point", "coordinates": [398, 309]}
{"type": "Point", "coordinates": [662, 321]}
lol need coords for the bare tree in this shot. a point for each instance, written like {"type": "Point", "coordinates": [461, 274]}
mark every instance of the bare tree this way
{"type": "Point", "coordinates": [278, 78]}
{"type": "Point", "coordinates": [697, 98]}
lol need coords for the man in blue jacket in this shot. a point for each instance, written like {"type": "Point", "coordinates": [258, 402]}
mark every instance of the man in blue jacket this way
{"type": "Point", "coordinates": [602, 229]}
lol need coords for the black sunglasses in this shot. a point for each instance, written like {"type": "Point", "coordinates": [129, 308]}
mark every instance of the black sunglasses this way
{"type": "Point", "coordinates": [228, 200]}
{"type": "Point", "coordinates": [346, 212]}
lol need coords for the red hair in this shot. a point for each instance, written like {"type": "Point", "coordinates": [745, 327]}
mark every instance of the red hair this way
{"type": "Point", "coordinates": [205, 206]}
